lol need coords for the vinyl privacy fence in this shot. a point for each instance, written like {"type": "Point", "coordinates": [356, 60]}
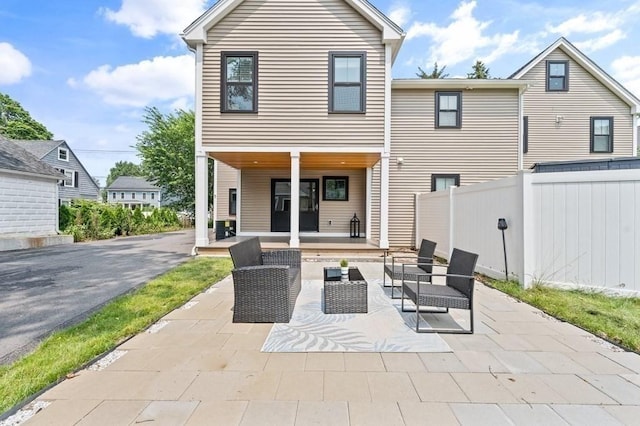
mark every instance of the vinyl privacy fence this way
{"type": "Point", "coordinates": [570, 229]}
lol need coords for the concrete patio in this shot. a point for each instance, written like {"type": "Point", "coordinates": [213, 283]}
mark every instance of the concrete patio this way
{"type": "Point", "coordinates": [520, 367]}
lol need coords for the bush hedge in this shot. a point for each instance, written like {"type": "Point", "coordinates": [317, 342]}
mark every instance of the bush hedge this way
{"type": "Point", "coordinates": [91, 220]}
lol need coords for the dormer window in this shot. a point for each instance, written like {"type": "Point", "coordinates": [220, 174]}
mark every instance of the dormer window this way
{"type": "Point", "coordinates": [557, 76]}
{"type": "Point", "coordinates": [63, 154]}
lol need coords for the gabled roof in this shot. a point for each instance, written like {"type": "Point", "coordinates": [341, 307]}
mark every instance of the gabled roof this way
{"type": "Point", "coordinates": [584, 61]}
{"type": "Point", "coordinates": [132, 183]}
{"type": "Point", "coordinates": [14, 158]}
{"type": "Point", "coordinates": [43, 147]}
{"type": "Point", "coordinates": [196, 33]}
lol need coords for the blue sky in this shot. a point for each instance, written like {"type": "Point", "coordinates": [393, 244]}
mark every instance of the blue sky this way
{"type": "Point", "coordinates": [87, 68]}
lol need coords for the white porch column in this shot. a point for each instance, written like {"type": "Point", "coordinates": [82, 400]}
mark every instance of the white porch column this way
{"type": "Point", "coordinates": [368, 204]}
{"type": "Point", "coordinates": [294, 241]}
{"type": "Point", "coordinates": [384, 201]}
{"type": "Point", "coordinates": [202, 185]}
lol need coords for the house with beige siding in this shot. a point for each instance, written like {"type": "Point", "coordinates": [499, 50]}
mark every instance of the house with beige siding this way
{"type": "Point", "coordinates": [575, 110]}
{"type": "Point", "coordinates": [297, 107]}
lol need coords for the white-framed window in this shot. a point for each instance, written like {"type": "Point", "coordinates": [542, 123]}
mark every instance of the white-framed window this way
{"type": "Point", "coordinates": [113, 195]}
{"type": "Point", "coordinates": [63, 154]}
{"type": "Point", "coordinates": [144, 195]}
{"type": "Point", "coordinates": [153, 195]}
{"type": "Point", "coordinates": [122, 195]}
{"type": "Point", "coordinates": [133, 195]}
{"type": "Point", "coordinates": [69, 178]}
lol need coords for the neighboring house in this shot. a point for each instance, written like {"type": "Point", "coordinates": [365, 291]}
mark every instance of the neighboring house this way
{"type": "Point", "coordinates": [28, 194]}
{"type": "Point", "coordinates": [308, 115]}
{"type": "Point", "coordinates": [132, 192]}
{"type": "Point", "coordinates": [575, 110]}
{"type": "Point", "coordinates": [77, 182]}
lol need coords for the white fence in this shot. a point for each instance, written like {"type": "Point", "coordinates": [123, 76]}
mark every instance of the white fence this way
{"type": "Point", "coordinates": [571, 229]}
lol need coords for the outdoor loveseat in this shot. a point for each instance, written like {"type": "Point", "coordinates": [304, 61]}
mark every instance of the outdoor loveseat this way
{"type": "Point", "coordinates": [266, 284]}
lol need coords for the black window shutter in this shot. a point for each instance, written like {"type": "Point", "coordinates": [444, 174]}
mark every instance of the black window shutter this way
{"type": "Point", "coordinates": [75, 179]}
{"type": "Point", "coordinates": [62, 181]}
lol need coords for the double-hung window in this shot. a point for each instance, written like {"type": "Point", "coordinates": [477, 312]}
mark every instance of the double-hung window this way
{"type": "Point", "coordinates": [63, 154]}
{"type": "Point", "coordinates": [448, 109]}
{"type": "Point", "coordinates": [601, 134]}
{"type": "Point", "coordinates": [557, 76]}
{"type": "Point", "coordinates": [347, 86]}
{"type": "Point", "coordinates": [239, 77]}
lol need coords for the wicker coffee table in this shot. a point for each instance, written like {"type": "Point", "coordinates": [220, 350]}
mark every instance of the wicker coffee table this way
{"type": "Point", "coordinates": [344, 295]}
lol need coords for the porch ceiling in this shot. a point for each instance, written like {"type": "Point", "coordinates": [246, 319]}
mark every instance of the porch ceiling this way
{"type": "Point", "coordinates": [308, 160]}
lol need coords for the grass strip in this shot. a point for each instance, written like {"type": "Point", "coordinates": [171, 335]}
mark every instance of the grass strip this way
{"type": "Point", "coordinates": [67, 350]}
{"type": "Point", "coordinates": [616, 319]}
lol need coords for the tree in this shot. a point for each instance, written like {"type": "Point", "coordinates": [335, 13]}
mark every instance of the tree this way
{"type": "Point", "coordinates": [167, 149]}
{"type": "Point", "coordinates": [123, 168]}
{"type": "Point", "coordinates": [16, 123]}
{"type": "Point", "coordinates": [480, 71]}
{"type": "Point", "coordinates": [436, 73]}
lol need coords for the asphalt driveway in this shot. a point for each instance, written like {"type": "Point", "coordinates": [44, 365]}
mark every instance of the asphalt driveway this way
{"type": "Point", "coordinates": [42, 290]}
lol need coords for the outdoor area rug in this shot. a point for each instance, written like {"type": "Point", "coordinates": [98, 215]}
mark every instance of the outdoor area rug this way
{"type": "Point", "coordinates": [383, 329]}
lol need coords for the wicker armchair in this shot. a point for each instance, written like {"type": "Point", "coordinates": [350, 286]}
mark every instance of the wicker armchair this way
{"type": "Point", "coordinates": [456, 294]}
{"type": "Point", "coordinates": [407, 268]}
{"type": "Point", "coordinates": [266, 284]}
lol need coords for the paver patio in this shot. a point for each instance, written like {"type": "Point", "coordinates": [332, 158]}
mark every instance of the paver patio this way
{"type": "Point", "coordinates": [520, 367]}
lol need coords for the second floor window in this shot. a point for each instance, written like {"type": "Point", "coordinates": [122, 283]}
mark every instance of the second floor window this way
{"type": "Point", "coordinates": [63, 154]}
{"type": "Point", "coordinates": [153, 194]}
{"type": "Point", "coordinates": [133, 195]}
{"type": "Point", "coordinates": [347, 88]}
{"type": "Point", "coordinates": [144, 195]}
{"type": "Point", "coordinates": [122, 195]}
{"type": "Point", "coordinates": [557, 76]}
{"type": "Point", "coordinates": [239, 91]}
{"type": "Point", "coordinates": [113, 195]}
{"type": "Point", "coordinates": [448, 109]}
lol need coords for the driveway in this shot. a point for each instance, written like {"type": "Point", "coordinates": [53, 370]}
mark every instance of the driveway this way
{"type": "Point", "coordinates": [42, 290]}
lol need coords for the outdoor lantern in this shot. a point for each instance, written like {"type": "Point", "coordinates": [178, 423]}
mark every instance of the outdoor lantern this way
{"type": "Point", "coordinates": [355, 226]}
{"type": "Point", "coordinates": [502, 225]}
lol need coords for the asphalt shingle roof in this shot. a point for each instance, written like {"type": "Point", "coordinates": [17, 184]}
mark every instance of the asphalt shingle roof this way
{"type": "Point", "coordinates": [38, 148]}
{"type": "Point", "coordinates": [132, 183]}
{"type": "Point", "coordinates": [15, 158]}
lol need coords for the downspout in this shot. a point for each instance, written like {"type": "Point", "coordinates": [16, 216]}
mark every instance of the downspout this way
{"type": "Point", "coordinates": [520, 128]}
{"type": "Point", "coordinates": [635, 116]}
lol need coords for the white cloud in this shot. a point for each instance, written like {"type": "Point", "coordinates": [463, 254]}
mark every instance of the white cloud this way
{"type": "Point", "coordinates": [14, 64]}
{"type": "Point", "coordinates": [164, 78]}
{"type": "Point", "coordinates": [600, 43]}
{"type": "Point", "coordinates": [626, 70]}
{"type": "Point", "coordinates": [147, 18]}
{"type": "Point", "coordinates": [400, 14]}
{"type": "Point", "coordinates": [592, 23]}
{"type": "Point", "coordinates": [463, 38]}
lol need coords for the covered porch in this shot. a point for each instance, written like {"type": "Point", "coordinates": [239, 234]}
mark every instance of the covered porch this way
{"type": "Point", "coordinates": [310, 246]}
{"type": "Point", "coordinates": [269, 183]}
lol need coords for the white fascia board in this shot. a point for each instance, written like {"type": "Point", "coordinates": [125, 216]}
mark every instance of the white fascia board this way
{"type": "Point", "coordinates": [301, 149]}
{"type": "Point", "coordinates": [28, 174]}
{"type": "Point", "coordinates": [460, 83]}
{"type": "Point", "coordinates": [197, 31]}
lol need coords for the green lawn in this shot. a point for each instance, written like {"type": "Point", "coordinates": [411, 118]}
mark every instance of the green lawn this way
{"type": "Point", "coordinates": [616, 319]}
{"type": "Point", "coordinates": [68, 350]}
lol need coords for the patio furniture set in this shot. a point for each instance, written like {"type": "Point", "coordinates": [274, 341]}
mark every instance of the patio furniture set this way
{"type": "Point", "coordinates": [267, 284]}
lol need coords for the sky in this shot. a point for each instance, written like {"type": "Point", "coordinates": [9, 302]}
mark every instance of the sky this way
{"type": "Point", "coordinates": [87, 69]}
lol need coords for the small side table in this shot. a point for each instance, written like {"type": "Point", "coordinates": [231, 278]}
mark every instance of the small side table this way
{"type": "Point", "coordinates": [344, 295]}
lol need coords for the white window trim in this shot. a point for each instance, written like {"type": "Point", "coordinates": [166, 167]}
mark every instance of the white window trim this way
{"type": "Point", "coordinates": [69, 174]}
{"type": "Point", "coordinates": [60, 149]}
